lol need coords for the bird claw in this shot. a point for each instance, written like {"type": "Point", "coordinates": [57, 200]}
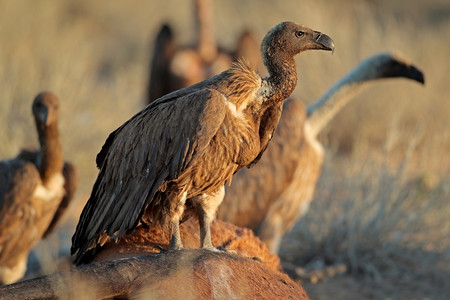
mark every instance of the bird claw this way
{"type": "Point", "coordinates": [158, 247]}
{"type": "Point", "coordinates": [176, 247]}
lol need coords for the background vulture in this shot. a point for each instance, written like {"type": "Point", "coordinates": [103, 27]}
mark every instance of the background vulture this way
{"type": "Point", "coordinates": [35, 189]}
{"type": "Point", "coordinates": [279, 189]}
{"type": "Point", "coordinates": [182, 148]}
{"type": "Point", "coordinates": [173, 67]}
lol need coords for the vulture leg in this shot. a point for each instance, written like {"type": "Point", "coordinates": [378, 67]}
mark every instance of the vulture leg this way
{"type": "Point", "coordinates": [206, 206]}
{"type": "Point", "coordinates": [175, 238]}
{"type": "Point", "coordinates": [205, 230]}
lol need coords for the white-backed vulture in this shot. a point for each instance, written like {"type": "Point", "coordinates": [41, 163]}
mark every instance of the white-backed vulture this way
{"type": "Point", "coordinates": [181, 149]}
{"type": "Point", "coordinates": [35, 188]}
{"type": "Point", "coordinates": [279, 189]}
{"type": "Point", "coordinates": [173, 67]}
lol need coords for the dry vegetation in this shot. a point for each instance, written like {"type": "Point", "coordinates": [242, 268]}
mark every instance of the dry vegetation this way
{"type": "Point", "coordinates": [382, 203]}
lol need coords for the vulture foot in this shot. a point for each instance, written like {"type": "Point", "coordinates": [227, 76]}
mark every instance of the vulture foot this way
{"type": "Point", "coordinates": [176, 247]}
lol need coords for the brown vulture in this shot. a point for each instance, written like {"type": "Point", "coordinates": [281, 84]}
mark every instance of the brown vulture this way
{"type": "Point", "coordinates": [174, 67]}
{"type": "Point", "coordinates": [35, 188]}
{"type": "Point", "coordinates": [279, 189]}
{"type": "Point", "coordinates": [181, 149]}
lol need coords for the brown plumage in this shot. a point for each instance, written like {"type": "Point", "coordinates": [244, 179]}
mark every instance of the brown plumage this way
{"type": "Point", "coordinates": [70, 175]}
{"type": "Point", "coordinates": [33, 191]}
{"type": "Point", "coordinates": [173, 67]}
{"type": "Point", "coordinates": [273, 195]}
{"type": "Point", "coordinates": [182, 148]}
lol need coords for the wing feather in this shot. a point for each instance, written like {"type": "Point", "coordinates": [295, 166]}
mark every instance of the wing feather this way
{"type": "Point", "coordinates": [18, 180]}
{"type": "Point", "coordinates": [268, 125]}
{"type": "Point", "coordinates": [166, 139]}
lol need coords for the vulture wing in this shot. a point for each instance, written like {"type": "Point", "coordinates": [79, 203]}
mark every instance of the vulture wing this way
{"type": "Point", "coordinates": [70, 185]}
{"type": "Point", "coordinates": [154, 147]}
{"type": "Point", "coordinates": [19, 180]}
{"type": "Point", "coordinates": [269, 122]}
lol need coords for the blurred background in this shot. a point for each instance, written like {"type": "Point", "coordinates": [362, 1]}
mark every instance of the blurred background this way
{"type": "Point", "coordinates": [382, 204]}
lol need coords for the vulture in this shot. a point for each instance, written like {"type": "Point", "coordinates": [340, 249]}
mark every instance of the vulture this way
{"type": "Point", "coordinates": [173, 67]}
{"type": "Point", "coordinates": [180, 150]}
{"type": "Point", "coordinates": [35, 189]}
{"type": "Point", "coordinates": [279, 189]}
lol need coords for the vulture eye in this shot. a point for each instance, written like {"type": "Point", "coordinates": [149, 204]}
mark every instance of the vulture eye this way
{"type": "Point", "coordinates": [299, 34]}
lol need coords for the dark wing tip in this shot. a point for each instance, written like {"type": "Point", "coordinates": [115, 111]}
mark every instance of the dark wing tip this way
{"type": "Point", "coordinates": [163, 49]}
{"type": "Point", "coordinates": [101, 156]}
{"type": "Point", "coordinates": [165, 32]}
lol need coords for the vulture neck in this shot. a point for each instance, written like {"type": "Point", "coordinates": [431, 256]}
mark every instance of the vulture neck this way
{"type": "Point", "coordinates": [50, 160]}
{"type": "Point", "coordinates": [282, 77]}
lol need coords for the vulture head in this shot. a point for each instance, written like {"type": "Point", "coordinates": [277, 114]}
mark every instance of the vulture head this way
{"type": "Point", "coordinates": [292, 38]}
{"type": "Point", "coordinates": [45, 109]}
{"type": "Point", "coordinates": [390, 65]}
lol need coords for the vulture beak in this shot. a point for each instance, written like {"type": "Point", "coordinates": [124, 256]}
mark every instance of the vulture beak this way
{"type": "Point", "coordinates": [417, 75]}
{"type": "Point", "coordinates": [412, 73]}
{"type": "Point", "coordinates": [42, 115]}
{"type": "Point", "coordinates": [398, 67]}
{"type": "Point", "coordinates": [323, 41]}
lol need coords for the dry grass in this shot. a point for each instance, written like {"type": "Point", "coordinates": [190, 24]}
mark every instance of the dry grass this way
{"type": "Point", "coordinates": [389, 230]}
{"type": "Point", "coordinates": [380, 213]}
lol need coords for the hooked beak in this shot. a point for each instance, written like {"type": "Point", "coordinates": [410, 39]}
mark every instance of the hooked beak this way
{"type": "Point", "coordinates": [417, 75]}
{"type": "Point", "coordinates": [42, 115]}
{"type": "Point", "coordinates": [408, 71]}
{"type": "Point", "coordinates": [323, 41]}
